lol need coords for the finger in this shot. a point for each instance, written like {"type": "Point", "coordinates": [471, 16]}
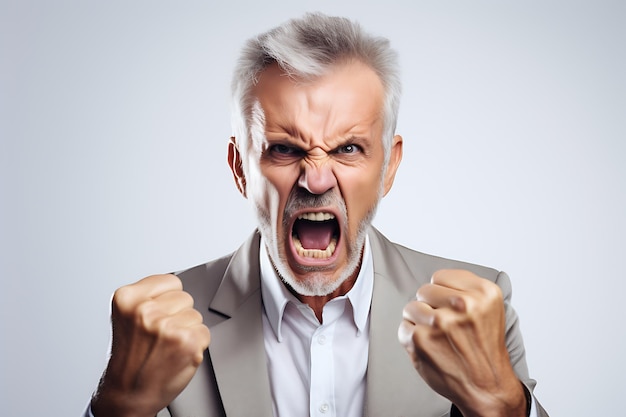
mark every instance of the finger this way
{"type": "Point", "coordinates": [418, 313]}
{"type": "Point", "coordinates": [438, 296]}
{"type": "Point", "coordinates": [476, 292]}
{"type": "Point", "coordinates": [424, 345]}
{"type": "Point", "coordinates": [187, 318]}
{"type": "Point", "coordinates": [413, 337]}
{"type": "Point", "coordinates": [166, 304]}
{"type": "Point", "coordinates": [177, 329]}
{"type": "Point", "coordinates": [405, 335]}
{"type": "Point", "coordinates": [440, 319]}
{"type": "Point", "coordinates": [457, 279]}
{"type": "Point", "coordinates": [155, 285]}
{"type": "Point", "coordinates": [185, 334]}
{"type": "Point", "coordinates": [203, 335]}
{"type": "Point", "coordinates": [127, 298]}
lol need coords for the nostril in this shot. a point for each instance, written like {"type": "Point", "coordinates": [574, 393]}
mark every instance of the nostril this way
{"type": "Point", "coordinates": [317, 180]}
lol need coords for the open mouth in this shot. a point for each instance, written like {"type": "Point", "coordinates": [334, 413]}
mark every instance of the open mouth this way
{"type": "Point", "coordinates": [315, 235]}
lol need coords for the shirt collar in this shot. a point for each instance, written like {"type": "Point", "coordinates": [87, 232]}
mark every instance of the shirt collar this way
{"type": "Point", "coordinates": [276, 296]}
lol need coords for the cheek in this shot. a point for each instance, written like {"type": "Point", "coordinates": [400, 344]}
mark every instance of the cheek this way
{"type": "Point", "coordinates": [261, 192]}
{"type": "Point", "coordinates": [275, 188]}
{"type": "Point", "coordinates": [360, 191]}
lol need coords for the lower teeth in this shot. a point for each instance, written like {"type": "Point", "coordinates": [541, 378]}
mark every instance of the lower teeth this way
{"type": "Point", "coordinates": [315, 253]}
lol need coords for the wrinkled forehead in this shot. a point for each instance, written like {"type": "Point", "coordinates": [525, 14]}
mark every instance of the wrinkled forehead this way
{"type": "Point", "coordinates": [350, 92]}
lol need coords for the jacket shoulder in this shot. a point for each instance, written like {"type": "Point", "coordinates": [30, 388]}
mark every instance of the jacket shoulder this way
{"type": "Point", "coordinates": [393, 256]}
{"type": "Point", "coordinates": [431, 263]}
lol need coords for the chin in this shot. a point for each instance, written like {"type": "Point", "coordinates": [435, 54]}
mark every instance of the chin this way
{"type": "Point", "coordinates": [315, 284]}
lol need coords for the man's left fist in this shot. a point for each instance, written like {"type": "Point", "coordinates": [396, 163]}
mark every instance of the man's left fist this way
{"type": "Point", "coordinates": [454, 332]}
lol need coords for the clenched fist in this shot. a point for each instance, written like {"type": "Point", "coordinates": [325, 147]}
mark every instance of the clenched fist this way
{"type": "Point", "coordinates": [158, 343]}
{"type": "Point", "coordinates": [454, 333]}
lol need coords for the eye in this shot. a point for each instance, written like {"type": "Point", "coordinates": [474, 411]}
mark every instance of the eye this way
{"type": "Point", "coordinates": [281, 149]}
{"type": "Point", "coordinates": [349, 149]}
{"type": "Point", "coordinates": [283, 152]}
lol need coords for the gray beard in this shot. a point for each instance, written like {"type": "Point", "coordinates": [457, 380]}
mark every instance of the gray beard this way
{"type": "Point", "coordinates": [316, 282]}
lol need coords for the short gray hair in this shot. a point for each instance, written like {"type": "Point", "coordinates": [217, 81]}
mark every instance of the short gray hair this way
{"type": "Point", "coordinates": [305, 48]}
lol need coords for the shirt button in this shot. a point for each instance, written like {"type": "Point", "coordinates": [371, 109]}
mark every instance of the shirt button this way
{"type": "Point", "coordinates": [324, 408]}
{"type": "Point", "coordinates": [321, 339]}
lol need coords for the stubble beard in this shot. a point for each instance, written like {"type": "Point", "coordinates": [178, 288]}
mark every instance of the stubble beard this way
{"type": "Point", "coordinates": [316, 282]}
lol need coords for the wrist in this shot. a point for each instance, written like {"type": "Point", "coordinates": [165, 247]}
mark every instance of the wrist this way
{"type": "Point", "coordinates": [512, 402]}
{"type": "Point", "coordinates": [111, 402]}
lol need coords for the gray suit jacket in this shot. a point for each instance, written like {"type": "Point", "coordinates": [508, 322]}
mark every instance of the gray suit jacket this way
{"type": "Point", "coordinates": [233, 378]}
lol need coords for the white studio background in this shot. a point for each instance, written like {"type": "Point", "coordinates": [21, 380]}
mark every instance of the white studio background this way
{"type": "Point", "coordinates": [114, 118]}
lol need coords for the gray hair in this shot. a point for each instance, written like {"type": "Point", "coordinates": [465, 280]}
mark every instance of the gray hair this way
{"type": "Point", "coordinates": [305, 48]}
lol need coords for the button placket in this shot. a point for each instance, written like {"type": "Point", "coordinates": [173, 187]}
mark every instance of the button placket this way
{"type": "Point", "coordinates": [322, 386]}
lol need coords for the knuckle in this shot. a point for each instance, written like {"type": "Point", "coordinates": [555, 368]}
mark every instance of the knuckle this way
{"type": "Point", "coordinates": [196, 316]}
{"type": "Point", "coordinates": [188, 339]}
{"type": "Point", "coordinates": [437, 275]}
{"type": "Point", "coordinates": [404, 333]}
{"type": "Point", "coordinates": [204, 336]}
{"type": "Point", "coordinates": [193, 341]}
{"type": "Point", "coordinates": [423, 291]}
{"type": "Point", "coordinates": [147, 316]}
{"type": "Point", "coordinates": [186, 298]}
{"type": "Point", "coordinates": [494, 292]}
{"type": "Point", "coordinates": [461, 303]}
{"type": "Point", "coordinates": [167, 329]}
{"type": "Point", "coordinates": [442, 322]}
{"type": "Point", "coordinates": [124, 300]}
{"type": "Point", "coordinates": [184, 341]}
{"type": "Point", "coordinates": [486, 286]}
{"type": "Point", "coordinates": [416, 337]}
{"type": "Point", "coordinates": [447, 322]}
{"type": "Point", "coordinates": [491, 294]}
{"type": "Point", "coordinates": [175, 280]}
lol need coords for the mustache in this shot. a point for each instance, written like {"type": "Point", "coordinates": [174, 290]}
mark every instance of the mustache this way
{"type": "Point", "coordinates": [300, 199]}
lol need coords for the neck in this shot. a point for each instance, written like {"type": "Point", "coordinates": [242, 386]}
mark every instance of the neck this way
{"type": "Point", "coordinates": [317, 302]}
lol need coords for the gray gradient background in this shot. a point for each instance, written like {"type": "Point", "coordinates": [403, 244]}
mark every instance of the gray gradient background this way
{"type": "Point", "coordinates": [114, 120]}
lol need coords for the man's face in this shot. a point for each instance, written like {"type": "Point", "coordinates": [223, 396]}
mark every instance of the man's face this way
{"type": "Point", "coordinates": [315, 171]}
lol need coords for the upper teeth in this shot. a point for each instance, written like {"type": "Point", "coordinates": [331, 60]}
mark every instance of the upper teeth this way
{"type": "Point", "coordinates": [316, 217]}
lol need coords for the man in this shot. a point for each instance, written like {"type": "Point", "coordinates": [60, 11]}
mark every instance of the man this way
{"type": "Point", "coordinates": [304, 316]}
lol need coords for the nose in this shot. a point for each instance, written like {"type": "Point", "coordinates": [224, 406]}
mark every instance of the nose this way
{"type": "Point", "coordinates": [317, 178]}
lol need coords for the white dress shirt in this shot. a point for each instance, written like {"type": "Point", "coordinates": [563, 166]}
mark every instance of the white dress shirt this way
{"type": "Point", "coordinates": [317, 369]}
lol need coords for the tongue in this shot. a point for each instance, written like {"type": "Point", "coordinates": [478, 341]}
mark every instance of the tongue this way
{"type": "Point", "coordinates": [314, 235]}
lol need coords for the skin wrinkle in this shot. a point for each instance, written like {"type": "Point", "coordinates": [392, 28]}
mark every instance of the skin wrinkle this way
{"type": "Point", "coordinates": [298, 202]}
{"type": "Point", "coordinates": [315, 124]}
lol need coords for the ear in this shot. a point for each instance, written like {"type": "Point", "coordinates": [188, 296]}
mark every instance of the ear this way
{"type": "Point", "coordinates": [395, 156]}
{"type": "Point", "coordinates": [236, 166]}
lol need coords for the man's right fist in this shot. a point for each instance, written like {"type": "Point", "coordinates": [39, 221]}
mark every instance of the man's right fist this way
{"type": "Point", "coordinates": [158, 343]}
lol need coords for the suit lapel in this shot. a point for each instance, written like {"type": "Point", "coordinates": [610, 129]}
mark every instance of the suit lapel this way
{"type": "Point", "coordinates": [393, 386]}
{"type": "Point", "coordinates": [237, 348]}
